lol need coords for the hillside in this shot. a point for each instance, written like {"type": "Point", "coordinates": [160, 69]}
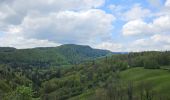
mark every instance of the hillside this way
{"type": "Point", "coordinates": [7, 49]}
{"type": "Point", "coordinates": [77, 53]}
{"type": "Point", "coordinates": [132, 76]}
{"type": "Point", "coordinates": [157, 78]}
{"type": "Point", "coordinates": [55, 56]}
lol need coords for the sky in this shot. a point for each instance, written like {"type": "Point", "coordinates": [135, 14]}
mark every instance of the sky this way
{"type": "Point", "coordinates": [116, 25]}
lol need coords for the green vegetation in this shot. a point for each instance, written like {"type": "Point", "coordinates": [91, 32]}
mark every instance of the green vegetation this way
{"type": "Point", "coordinates": [52, 56]}
{"type": "Point", "coordinates": [77, 72]}
{"type": "Point", "coordinates": [157, 78]}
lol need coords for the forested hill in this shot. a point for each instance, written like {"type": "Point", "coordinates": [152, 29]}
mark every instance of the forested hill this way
{"type": "Point", "coordinates": [49, 56]}
{"type": "Point", "coordinates": [7, 49]}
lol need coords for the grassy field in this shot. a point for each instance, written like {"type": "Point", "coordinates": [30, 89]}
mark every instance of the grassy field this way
{"type": "Point", "coordinates": [158, 78]}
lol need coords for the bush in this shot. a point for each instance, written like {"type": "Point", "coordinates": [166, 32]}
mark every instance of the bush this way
{"type": "Point", "coordinates": [151, 63]}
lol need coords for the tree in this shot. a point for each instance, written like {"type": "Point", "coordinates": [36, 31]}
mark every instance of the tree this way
{"type": "Point", "coordinates": [130, 91]}
{"type": "Point", "coordinates": [24, 93]}
{"type": "Point", "coordinates": [21, 93]}
{"type": "Point", "coordinates": [151, 63]}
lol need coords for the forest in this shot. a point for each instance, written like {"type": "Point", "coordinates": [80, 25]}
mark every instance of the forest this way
{"type": "Point", "coordinates": [76, 72]}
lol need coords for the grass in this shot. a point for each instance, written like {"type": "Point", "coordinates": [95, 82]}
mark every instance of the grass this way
{"type": "Point", "coordinates": [158, 78]}
{"type": "Point", "coordinates": [85, 96]}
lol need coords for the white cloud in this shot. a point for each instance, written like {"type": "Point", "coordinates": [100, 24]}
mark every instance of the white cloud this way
{"type": "Point", "coordinates": [13, 38]}
{"type": "Point", "coordinates": [167, 3]}
{"type": "Point", "coordinates": [138, 27]}
{"type": "Point", "coordinates": [160, 23]}
{"type": "Point", "coordinates": [128, 13]}
{"type": "Point", "coordinates": [136, 12]}
{"type": "Point", "coordinates": [155, 33]}
{"type": "Point", "coordinates": [116, 8]}
{"type": "Point", "coordinates": [20, 42]}
{"type": "Point", "coordinates": [53, 21]}
{"type": "Point", "coordinates": [68, 26]}
{"type": "Point", "coordinates": [155, 3]}
{"type": "Point", "coordinates": [161, 38]}
{"type": "Point", "coordinates": [15, 11]}
{"type": "Point", "coordinates": [115, 47]}
{"type": "Point", "coordinates": [155, 42]}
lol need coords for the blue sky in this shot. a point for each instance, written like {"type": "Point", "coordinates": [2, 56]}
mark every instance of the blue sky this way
{"type": "Point", "coordinates": [116, 25]}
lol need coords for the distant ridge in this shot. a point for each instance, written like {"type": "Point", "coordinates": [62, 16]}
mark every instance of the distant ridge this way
{"type": "Point", "coordinates": [50, 56]}
{"type": "Point", "coordinates": [120, 52]}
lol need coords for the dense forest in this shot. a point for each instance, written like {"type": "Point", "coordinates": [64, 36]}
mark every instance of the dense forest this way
{"type": "Point", "coordinates": [75, 72]}
{"type": "Point", "coordinates": [51, 56]}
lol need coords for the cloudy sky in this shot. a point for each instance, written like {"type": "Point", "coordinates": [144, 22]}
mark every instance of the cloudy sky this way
{"type": "Point", "coordinates": [116, 25]}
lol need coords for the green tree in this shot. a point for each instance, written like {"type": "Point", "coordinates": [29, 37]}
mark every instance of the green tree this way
{"type": "Point", "coordinates": [151, 63]}
{"type": "Point", "coordinates": [24, 93]}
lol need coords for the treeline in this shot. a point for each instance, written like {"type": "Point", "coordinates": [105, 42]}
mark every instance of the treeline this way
{"type": "Point", "coordinates": [149, 60]}
{"type": "Point", "coordinates": [49, 56]}
{"type": "Point", "coordinates": [127, 90]}
{"type": "Point", "coordinates": [61, 83]}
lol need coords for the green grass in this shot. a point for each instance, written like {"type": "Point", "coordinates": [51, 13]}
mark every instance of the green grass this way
{"type": "Point", "coordinates": [85, 96]}
{"type": "Point", "coordinates": [158, 78]}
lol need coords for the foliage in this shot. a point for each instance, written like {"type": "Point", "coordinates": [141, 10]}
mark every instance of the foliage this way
{"type": "Point", "coordinates": [21, 93]}
{"type": "Point", "coordinates": [45, 57]}
{"type": "Point", "coordinates": [80, 72]}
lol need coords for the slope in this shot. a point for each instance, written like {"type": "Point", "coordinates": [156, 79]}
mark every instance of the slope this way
{"type": "Point", "coordinates": [157, 78]}
{"type": "Point", "coordinates": [47, 56]}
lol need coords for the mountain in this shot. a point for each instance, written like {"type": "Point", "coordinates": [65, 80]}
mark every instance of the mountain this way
{"type": "Point", "coordinates": [77, 53]}
{"type": "Point", "coordinates": [120, 52]}
{"type": "Point", "coordinates": [106, 78]}
{"type": "Point", "coordinates": [47, 56]}
{"type": "Point", "coordinates": [7, 49]}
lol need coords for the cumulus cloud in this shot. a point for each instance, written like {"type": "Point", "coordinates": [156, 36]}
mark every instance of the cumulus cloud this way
{"type": "Point", "coordinates": [20, 42]}
{"type": "Point", "coordinates": [53, 22]}
{"type": "Point", "coordinates": [155, 42]}
{"type": "Point", "coordinates": [153, 34]}
{"type": "Point", "coordinates": [136, 12]}
{"type": "Point", "coordinates": [135, 27]}
{"type": "Point", "coordinates": [167, 3]}
{"type": "Point", "coordinates": [116, 8]}
{"type": "Point", "coordinates": [68, 26]}
{"type": "Point", "coordinates": [162, 24]}
{"type": "Point", "coordinates": [155, 3]}
{"type": "Point", "coordinates": [127, 13]}
{"type": "Point", "coordinates": [110, 46]}
{"type": "Point", "coordinates": [14, 11]}
{"type": "Point", "coordinates": [161, 38]}
{"type": "Point", "coordinates": [159, 25]}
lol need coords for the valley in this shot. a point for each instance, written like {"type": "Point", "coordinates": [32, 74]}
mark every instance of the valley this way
{"type": "Point", "coordinates": [78, 72]}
